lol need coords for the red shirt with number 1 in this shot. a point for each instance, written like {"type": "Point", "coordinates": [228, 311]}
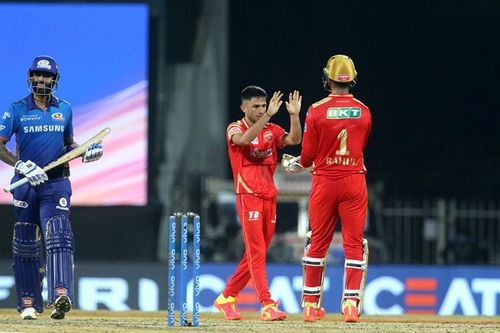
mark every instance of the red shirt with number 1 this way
{"type": "Point", "coordinates": [335, 135]}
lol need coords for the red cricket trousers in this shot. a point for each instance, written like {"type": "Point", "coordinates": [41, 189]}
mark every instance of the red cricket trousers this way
{"type": "Point", "coordinates": [344, 198]}
{"type": "Point", "coordinates": [258, 221]}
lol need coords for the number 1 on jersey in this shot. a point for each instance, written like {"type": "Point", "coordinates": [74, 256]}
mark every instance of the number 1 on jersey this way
{"type": "Point", "coordinates": [343, 143]}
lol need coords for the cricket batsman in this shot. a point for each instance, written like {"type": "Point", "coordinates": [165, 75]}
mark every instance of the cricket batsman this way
{"type": "Point", "coordinates": [42, 241]}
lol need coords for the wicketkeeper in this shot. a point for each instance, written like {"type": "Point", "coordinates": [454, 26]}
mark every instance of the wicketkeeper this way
{"type": "Point", "coordinates": [335, 135]}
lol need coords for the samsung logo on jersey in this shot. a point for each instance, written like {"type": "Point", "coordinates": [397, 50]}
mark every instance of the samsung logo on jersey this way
{"type": "Point", "coordinates": [343, 113]}
{"type": "Point", "coordinates": [43, 128]}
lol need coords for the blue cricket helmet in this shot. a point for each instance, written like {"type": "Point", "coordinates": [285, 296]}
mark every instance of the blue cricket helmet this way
{"type": "Point", "coordinates": [43, 64]}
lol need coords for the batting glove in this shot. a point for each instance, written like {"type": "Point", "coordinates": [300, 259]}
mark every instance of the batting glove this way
{"type": "Point", "coordinates": [33, 172]}
{"type": "Point", "coordinates": [93, 153]}
{"type": "Point", "coordinates": [292, 163]}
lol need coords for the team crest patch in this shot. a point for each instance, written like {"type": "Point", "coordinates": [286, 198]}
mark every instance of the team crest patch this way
{"type": "Point", "coordinates": [43, 64]}
{"type": "Point", "coordinates": [58, 116]}
{"type": "Point", "coordinates": [268, 136]}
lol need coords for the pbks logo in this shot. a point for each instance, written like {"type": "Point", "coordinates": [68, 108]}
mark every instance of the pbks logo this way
{"type": "Point", "coordinates": [268, 136]}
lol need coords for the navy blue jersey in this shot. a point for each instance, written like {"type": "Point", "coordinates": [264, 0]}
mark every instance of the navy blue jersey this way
{"type": "Point", "coordinates": [39, 134]}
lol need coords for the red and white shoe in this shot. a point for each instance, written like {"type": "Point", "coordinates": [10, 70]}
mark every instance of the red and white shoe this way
{"type": "Point", "coordinates": [313, 313]}
{"type": "Point", "coordinates": [270, 312]}
{"type": "Point", "coordinates": [228, 307]}
{"type": "Point", "coordinates": [350, 310]}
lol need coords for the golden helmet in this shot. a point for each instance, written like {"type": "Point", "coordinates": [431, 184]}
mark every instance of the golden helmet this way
{"type": "Point", "coordinates": [339, 68]}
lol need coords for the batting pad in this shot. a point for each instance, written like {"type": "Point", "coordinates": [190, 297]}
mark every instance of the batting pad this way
{"type": "Point", "coordinates": [60, 264]}
{"type": "Point", "coordinates": [27, 273]}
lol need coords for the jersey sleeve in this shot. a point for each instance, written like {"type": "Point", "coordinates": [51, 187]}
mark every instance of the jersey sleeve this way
{"type": "Point", "coordinates": [7, 124]}
{"type": "Point", "coordinates": [309, 141]}
{"type": "Point", "coordinates": [231, 130]}
{"type": "Point", "coordinates": [278, 133]}
{"type": "Point", "coordinates": [368, 132]}
{"type": "Point", "coordinates": [68, 130]}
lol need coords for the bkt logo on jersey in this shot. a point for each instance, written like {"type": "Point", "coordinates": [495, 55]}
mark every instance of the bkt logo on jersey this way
{"type": "Point", "coordinates": [343, 113]}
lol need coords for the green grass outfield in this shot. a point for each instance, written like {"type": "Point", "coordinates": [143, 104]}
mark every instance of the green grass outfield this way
{"type": "Point", "coordinates": [135, 321]}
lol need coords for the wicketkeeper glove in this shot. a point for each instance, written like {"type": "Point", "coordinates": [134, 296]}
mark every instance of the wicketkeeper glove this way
{"type": "Point", "coordinates": [292, 163]}
{"type": "Point", "coordinates": [93, 153]}
{"type": "Point", "coordinates": [33, 172]}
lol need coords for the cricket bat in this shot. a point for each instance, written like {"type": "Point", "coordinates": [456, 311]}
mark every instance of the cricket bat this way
{"type": "Point", "coordinates": [75, 153]}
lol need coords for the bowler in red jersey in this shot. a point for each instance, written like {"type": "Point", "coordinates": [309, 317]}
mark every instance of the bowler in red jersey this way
{"type": "Point", "coordinates": [252, 144]}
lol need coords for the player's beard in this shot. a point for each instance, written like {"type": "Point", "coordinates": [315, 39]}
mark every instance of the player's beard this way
{"type": "Point", "coordinates": [41, 88]}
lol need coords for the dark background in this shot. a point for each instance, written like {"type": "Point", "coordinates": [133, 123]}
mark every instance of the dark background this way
{"type": "Point", "coordinates": [428, 70]}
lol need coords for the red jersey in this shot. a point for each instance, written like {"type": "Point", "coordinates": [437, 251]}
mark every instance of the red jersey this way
{"type": "Point", "coordinates": [335, 135]}
{"type": "Point", "coordinates": [253, 165]}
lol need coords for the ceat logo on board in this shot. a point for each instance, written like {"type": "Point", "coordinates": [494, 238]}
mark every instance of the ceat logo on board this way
{"type": "Point", "coordinates": [470, 297]}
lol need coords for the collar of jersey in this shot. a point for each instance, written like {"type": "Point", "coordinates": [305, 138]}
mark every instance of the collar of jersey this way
{"type": "Point", "coordinates": [54, 101]}
{"type": "Point", "coordinates": [346, 95]}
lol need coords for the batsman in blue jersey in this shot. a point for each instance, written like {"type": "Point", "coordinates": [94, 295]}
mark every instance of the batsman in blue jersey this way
{"type": "Point", "coordinates": [43, 240]}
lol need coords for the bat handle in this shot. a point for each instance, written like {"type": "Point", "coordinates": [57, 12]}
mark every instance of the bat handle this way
{"type": "Point", "coordinates": [15, 185]}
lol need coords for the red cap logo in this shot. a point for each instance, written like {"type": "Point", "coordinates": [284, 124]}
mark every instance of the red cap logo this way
{"type": "Point", "coordinates": [27, 302]}
{"type": "Point", "coordinates": [343, 77]}
{"type": "Point", "coordinates": [61, 291]}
